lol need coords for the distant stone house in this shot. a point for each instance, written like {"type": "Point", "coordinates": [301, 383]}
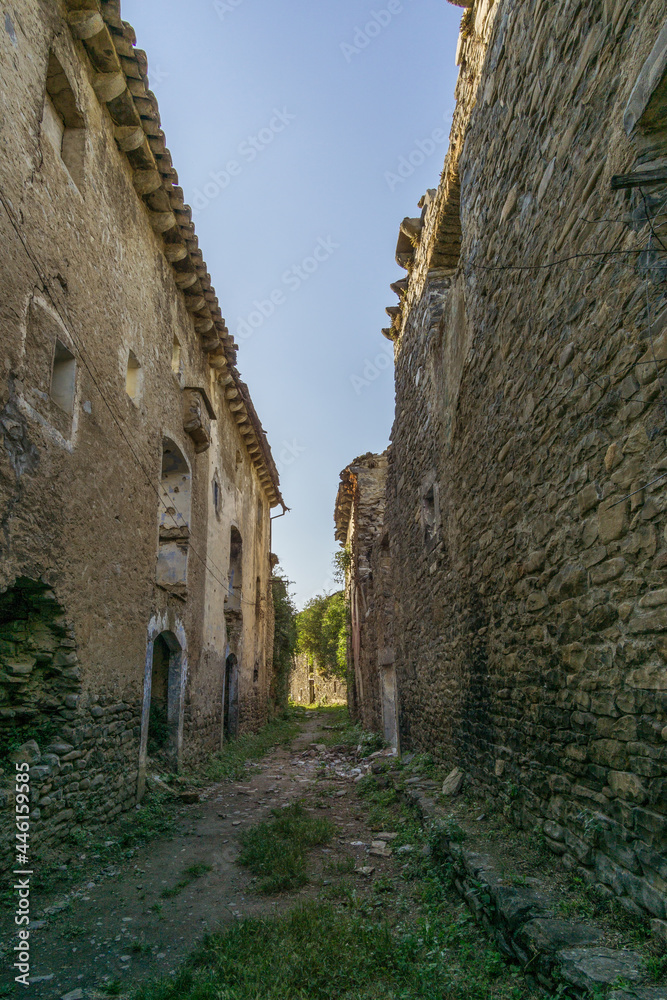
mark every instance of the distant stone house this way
{"type": "Point", "coordinates": [136, 481]}
{"type": "Point", "coordinates": [309, 686]}
{"type": "Point", "coordinates": [526, 504]}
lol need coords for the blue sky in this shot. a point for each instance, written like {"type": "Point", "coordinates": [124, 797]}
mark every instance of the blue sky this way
{"type": "Point", "coordinates": [287, 123]}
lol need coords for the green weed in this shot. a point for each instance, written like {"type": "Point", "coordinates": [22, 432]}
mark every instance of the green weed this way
{"type": "Point", "coordinates": [317, 952]}
{"type": "Point", "coordinates": [155, 818]}
{"type": "Point", "coordinates": [275, 850]}
{"type": "Point", "coordinates": [229, 764]}
{"type": "Point", "coordinates": [140, 948]}
{"type": "Point", "coordinates": [656, 966]}
{"type": "Point", "coordinates": [13, 735]}
{"type": "Point", "coordinates": [113, 988]}
{"type": "Point", "coordinates": [190, 875]}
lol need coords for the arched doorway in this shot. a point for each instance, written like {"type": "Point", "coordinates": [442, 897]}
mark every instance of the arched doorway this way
{"type": "Point", "coordinates": [231, 697]}
{"type": "Point", "coordinates": [162, 716]}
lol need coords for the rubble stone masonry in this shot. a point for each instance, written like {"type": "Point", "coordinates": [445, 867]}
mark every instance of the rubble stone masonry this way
{"type": "Point", "coordinates": [136, 483]}
{"type": "Point", "coordinates": [359, 518]}
{"type": "Point", "coordinates": [526, 498]}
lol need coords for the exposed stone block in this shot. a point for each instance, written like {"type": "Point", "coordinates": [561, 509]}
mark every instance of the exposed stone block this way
{"type": "Point", "coordinates": [627, 786]}
{"type": "Point", "coordinates": [591, 968]}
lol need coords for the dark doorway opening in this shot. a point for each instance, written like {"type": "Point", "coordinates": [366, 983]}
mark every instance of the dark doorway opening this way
{"type": "Point", "coordinates": [230, 718]}
{"type": "Point", "coordinates": [165, 704]}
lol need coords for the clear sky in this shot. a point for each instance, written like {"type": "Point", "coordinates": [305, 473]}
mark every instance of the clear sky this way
{"type": "Point", "coordinates": [287, 123]}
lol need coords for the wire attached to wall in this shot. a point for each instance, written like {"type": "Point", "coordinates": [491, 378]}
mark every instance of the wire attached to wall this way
{"type": "Point", "coordinates": [88, 366]}
{"type": "Point", "coordinates": [648, 249]}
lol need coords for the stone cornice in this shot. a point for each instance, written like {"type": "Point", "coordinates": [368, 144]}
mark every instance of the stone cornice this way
{"type": "Point", "coordinates": [120, 81]}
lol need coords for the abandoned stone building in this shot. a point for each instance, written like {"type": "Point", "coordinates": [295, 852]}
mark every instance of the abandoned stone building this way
{"type": "Point", "coordinates": [309, 686]}
{"type": "Point", "coordinates": [524, 531]}
{"type": "Point", "coordinates": [136, 481]}
{"type": "Point", "coordinates": [359, 521]}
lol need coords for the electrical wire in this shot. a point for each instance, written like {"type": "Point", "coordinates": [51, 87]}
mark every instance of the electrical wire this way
{"type": "Point", "coordinates": [88, 366]}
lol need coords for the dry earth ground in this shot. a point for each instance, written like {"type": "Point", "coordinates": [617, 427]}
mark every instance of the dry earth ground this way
{"type": "Point", "coordinates": [123, 924]}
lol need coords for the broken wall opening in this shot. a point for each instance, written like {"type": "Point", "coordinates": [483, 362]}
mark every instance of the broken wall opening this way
{"type": "Point", "coordinates": [233, 601]}
{"type": "Point", "coordinates": [174, 514]}
{"type": "Point", "coordinates": [49, 368]}
{"type": "Point", "coordinates": [39, 672]}
{"type": "Point", "coordinates": [62, 122]}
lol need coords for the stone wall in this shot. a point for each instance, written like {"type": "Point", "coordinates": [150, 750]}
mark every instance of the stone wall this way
{"type": "Point", "coordinates": [136, 482]}
{"type": "Point", "coordinates": [526, 493]}
{"type": "Point", "coordinates": [359, 517]}
{"type": "Point", "coordinates": [309, 687]}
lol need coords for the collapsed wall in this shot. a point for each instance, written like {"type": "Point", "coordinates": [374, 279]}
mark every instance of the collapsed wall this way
{"type": "Point", "coordinates": [526, 504]}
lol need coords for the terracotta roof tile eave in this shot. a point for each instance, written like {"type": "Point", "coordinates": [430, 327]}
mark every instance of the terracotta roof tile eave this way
{"type": "Point", "coordinates": [120, 81]}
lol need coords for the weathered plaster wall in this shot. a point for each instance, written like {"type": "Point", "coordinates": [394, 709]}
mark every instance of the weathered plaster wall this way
{"type": "Point", "coordinates": [80, 492]}
{"type": "Point", "coordinates": [527, 528]}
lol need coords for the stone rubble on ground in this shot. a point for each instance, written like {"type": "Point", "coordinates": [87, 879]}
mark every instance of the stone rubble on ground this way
{"type": "Point", "coordinates": [453, 783]}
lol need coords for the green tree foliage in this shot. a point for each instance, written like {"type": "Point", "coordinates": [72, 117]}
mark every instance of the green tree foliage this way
{"type": "Point", "coordinates": [284, 640]}
{"type": "Point", "coordinates": [342, 561]}
{"type": "Point", "coordinates": [322, 633]}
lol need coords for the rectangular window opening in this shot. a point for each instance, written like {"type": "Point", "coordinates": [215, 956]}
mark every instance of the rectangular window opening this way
{"type": "Point", "coordinates": [176, 364]}
{"type": "Point", "coordinates": [63, 378]}
{"type": "Point", "coordinates": [133, 377]}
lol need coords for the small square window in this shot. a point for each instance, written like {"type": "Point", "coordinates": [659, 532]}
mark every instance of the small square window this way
{"type": "Point", "coordinates": [63, 378]}
{"type": "Point", "coordinates": [133, 377]}
{"type": "Point", "coordinates": [176, 359]}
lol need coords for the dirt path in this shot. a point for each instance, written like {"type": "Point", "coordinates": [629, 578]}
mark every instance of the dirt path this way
{"type": "Point", "coordinates": [118, 927]}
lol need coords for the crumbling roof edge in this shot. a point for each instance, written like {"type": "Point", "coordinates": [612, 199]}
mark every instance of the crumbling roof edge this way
{"type": "Point", "coordinates": [348, 488]}
{"type": "Point", "coordinates": [120, 81]}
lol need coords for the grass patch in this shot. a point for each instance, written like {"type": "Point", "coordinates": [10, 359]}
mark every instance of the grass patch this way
{"type": "Point", "coordinates": [317, 952]}
{"type": "Point", "coordinates": [276, 850]}
{"type": "Point", "coordinates": [380, 802]}
{"type": "Point", "coordinates": [155, 818]}
{"type": "Point", "coordinates": [114, 988]}
{"type": "Point", "coordinates": [229, 764]}
{"type": "Point", "coordinates": [340, 866]}
{"type": "Point", "coordinates": [190, 875]}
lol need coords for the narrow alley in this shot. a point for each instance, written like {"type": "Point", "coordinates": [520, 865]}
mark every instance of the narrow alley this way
{"type": "Point", "coordinates": [419, 753]}
{"type": "Point", "coordinates": [374, 876]}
